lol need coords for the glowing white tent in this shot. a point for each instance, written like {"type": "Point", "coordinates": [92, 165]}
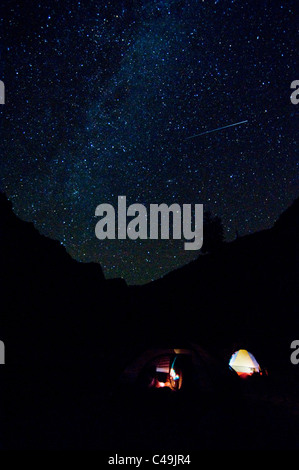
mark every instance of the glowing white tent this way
{"type": "Point", "coordinates": [244, 363]}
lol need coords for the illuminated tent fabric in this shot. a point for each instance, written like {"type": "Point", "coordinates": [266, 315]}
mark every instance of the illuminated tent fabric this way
{"type": "Point", "coordinates": [173, 361]}
{"type": "Point", "coordinates": [244, 363]}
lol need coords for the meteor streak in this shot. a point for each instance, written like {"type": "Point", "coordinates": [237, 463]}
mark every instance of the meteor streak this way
{"type": "Point", "coordinates": [215, 130]}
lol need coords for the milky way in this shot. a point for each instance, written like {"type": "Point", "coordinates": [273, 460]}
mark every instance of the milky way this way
{"type": "Point", "coordinates": [102, 96]}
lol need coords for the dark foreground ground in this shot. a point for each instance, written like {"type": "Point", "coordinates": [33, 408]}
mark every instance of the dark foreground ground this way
{"type": "Point", "coordinates": [255, 416]}
{"type": "Point", "coordinates": [187, 422]}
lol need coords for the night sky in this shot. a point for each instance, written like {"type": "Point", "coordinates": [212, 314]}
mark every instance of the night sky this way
{"type": "Point", "coordinates": [101, 97]}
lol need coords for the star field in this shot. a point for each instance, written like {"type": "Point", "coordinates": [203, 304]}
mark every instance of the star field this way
{"type": "Point", "coordinates": [101, 97]}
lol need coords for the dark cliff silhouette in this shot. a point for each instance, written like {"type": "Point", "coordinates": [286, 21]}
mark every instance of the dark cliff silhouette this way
{"type": "Point", "coordinates": [213, 233]}
{"type": "Point", "coordinates": [245, 292]}
{"type": "Point", "coordinates": [62, 324]}
{"type": "Point", "coordinates": [69, 333]}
